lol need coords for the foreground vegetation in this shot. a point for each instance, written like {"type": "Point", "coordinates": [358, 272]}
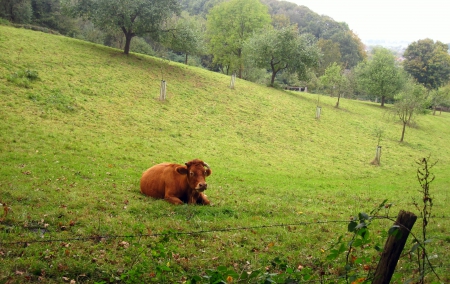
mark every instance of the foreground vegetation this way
{"type": "Point", "coordinates": [80, 122]}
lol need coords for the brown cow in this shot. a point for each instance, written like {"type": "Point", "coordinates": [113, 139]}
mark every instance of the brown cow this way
{"type": "Point", "coordinates": [177, 184]}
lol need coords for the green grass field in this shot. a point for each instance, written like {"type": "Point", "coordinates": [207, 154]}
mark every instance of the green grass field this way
{"type": "Point", "coordinates": [80, 122]}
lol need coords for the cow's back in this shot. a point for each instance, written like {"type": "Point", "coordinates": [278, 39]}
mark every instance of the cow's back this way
{"type": "Point", "coordinates": [158, 178]}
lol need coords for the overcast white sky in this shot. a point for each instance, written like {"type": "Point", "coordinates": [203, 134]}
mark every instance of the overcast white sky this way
{"type": "Point", "coordinates": [408, 20]}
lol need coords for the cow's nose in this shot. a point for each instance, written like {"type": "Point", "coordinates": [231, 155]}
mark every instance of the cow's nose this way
{"type": "Point", "coordinates": [203, 185]}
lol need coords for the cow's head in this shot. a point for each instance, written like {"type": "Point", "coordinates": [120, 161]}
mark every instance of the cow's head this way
{"type": "Point", "coordinates": [196, 172]}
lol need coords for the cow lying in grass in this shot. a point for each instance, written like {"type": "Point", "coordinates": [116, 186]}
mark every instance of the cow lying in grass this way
{"type": "Point", "coordinates": [177, 184]}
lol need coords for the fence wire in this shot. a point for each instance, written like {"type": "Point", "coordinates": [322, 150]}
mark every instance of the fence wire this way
{"type": "Point", "coordinates": [171, 233]}
{"type": "Point", "coordinates": [176, 233]}
{"type": "Point", "coordinates": [219, 230]}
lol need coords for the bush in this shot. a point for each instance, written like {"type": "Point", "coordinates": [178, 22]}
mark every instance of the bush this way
{"type": "Point", "coordinates": [139, 45]}
{"type": "Point", "coordinates": [4, 22]}
{"type": "Point", "coordinates": [23, 78]}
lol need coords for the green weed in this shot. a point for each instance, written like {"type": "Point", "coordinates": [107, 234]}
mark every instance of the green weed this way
{"type": "Point", "coordinates": [23, 78]}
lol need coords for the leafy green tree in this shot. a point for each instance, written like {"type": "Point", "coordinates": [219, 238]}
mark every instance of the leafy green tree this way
{"type": "Point", "coordinates": [440, 97]}
{"type": "Point", "coordinates": [186, 36]}
{"type": "Point", "coordinates": [428, 62]}
{"type": "Point", "coordinates": [281, 21]}
{"type": "Point", "coordinates": [47, 13]}
{"type": "Point", "coordinates": [351, 48]}
{"type": "Point", "coordinates": [409, 102]}
{"type": "Point", "coordinates": [229, 25]}
{"type": "Point", "coordinates": [140, 45]}
{"type": "Point", "coordinates": [322, 27]}
{"type": "Point", "coordinates": [199, 7]}
{"type": "Point", "coordinates": [334, 80]}
{"type": "Point", "coordinates": [380, 76]}
{"type": "Point", "coordinates": [16, 11]}
{"type": "Point", "coordinates": [133, 17]}
{"type": "Point", "coordinates": [331, 53]}
{"type": "Point", "coordinates": [88, 32]}
{"type": "Point", "coordinates": [282, 50]}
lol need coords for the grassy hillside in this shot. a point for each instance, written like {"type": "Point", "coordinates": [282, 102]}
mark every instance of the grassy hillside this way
{"type": "Point", "coordinates": [79, 123]}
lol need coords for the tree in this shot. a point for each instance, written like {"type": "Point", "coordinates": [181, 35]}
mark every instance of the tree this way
{"type": "Point", "coordinates": [133, 17]}
{"type": "Point", "coordinates": [199, 7]}
{"type": "Point", "coordinates": [428, 62]}
{"type": "Point", "coordinates": [409, 102]}
{"type": "Point", "coordinates": [331, 53]}
{"type": "Point", "coordinates": [47, 13]}
{"type": "Point", "coordinates": [282, 49]}
{"type": "Point", "coordinates": [229, 25]}
{"type": "Point", "coordinates": [334, 80]}
{"type": "Point", "coordinates": [380, 76]}
{"type": "Point", "coordinates": [280, 21]}
{"type": "Point", "coordinates": [351, 47]}
{"type": "Point", "coordinates": [322, 27]}
{"type": "Point", "coordinates": [186, 37]}
{"type": "Point", "coordinates": [440, 98]}
{"type": "Point", "coordinates": [16, 11]}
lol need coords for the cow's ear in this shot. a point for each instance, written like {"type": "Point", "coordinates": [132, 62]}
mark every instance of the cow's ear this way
{"type": "Point", "coordinates": [182, 170]}
{"type": "Point", "coordinates": [208, 172]}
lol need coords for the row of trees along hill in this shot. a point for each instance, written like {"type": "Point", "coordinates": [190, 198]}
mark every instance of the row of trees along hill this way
{"type": "Point", "coordinates": [179, 29]}
{"type": "Point", "coordinates": [418, 82]}
{"type": "Point", "coordinates": [262, 40]}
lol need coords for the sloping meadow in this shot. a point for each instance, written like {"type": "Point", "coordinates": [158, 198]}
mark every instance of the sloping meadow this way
{"type": "Point", "coordinates": [80, 122]}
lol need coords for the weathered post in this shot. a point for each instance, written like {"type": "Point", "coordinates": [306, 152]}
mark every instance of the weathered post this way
{"type": "Point", "coordinates": [162, 92]}
{"type": "Point", "coordinates": [393, 248]}
{"type": "Point", "coordinates": [233, 78]}
{"type": "Point", "coordinates": [378, 155]}
{"type": "Point", "coordinates": [377, 159]}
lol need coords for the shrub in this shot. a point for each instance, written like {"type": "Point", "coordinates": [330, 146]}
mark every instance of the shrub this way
{"type": "Point", "coordinates": [4, 22]}
{"type": "Point", "coordinates": [23, 78]}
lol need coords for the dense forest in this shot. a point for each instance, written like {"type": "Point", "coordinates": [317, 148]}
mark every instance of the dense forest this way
{"type": "Point", "coordinates": [270, 42]}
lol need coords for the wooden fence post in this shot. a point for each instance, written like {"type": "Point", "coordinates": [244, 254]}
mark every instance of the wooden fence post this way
{"type": "Point", "coordinates": [393, 248]}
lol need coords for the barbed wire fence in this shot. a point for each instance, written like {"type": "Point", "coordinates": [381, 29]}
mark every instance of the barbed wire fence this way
{"type": "Point", "coordinates": [172, 233]}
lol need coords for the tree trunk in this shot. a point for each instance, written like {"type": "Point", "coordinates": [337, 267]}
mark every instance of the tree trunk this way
{"type": "Point", "coordinates": [339, 97]}
{"type": "Point", "coordinates": [274, 72]}
{"type": "Point", "coordinates": [128, 36]}
{"type": "Point", "coordinates": [272, 79]}
{"type": "Point", "coordinates": [241, 67]}
{"type": "Point", "coordinates": [186, 59]}
{"type": "Point", "coordinates": [393, 248]}
{"type": "Point", "coordinates": [403, 131]}
{"type": "Point", "coordinates": [382, 100]}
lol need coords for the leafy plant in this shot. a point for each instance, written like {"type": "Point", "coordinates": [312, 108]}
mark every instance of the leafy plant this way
{"type": "Point", "coordinates": [23, 78]}
{"type": "Point", "coordinates": [356, 262]}
{"type": "Point", "coordinates": [425, 178]}
{"type": "Point", "coordinates": [61, 101]}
